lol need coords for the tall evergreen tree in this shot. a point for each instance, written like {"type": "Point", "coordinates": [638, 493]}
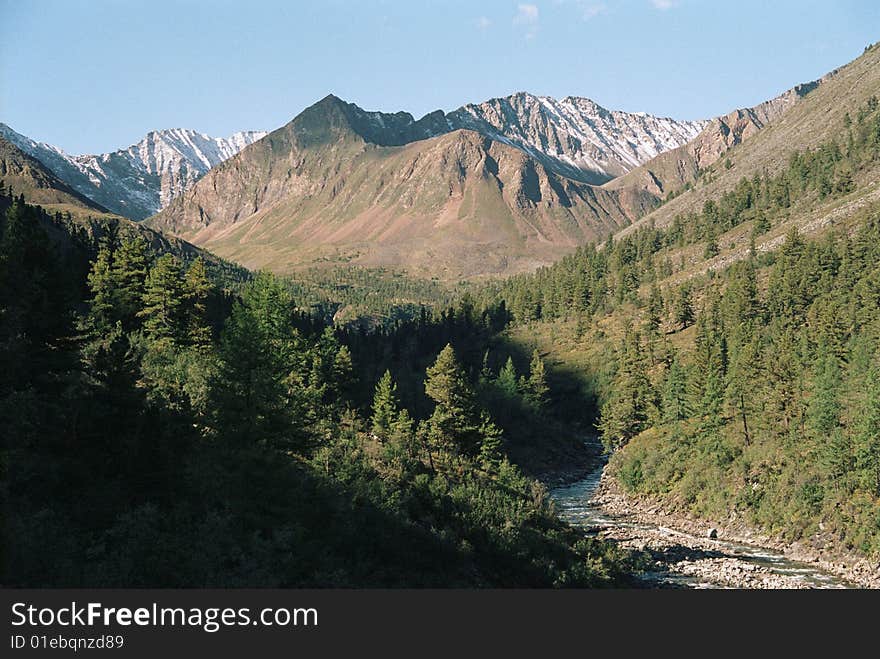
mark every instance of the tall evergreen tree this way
{"type": "Point", "coordinates": [867, 436]}
{"type": "Point", "coordinates": [163, 301]}
{"type": "Point", "coordinates": [507, 380]}
{"type": "Point", "coordinates": [683, 311]}
{"type": "Point", "coordinates": [129, 273]}
{"type": "Point", "coordinates": [385, 406]}
{"type": "Point", "coordinates": [676, 406]}
{"type": "Point", "coordinates": [625, 413]}
{"type": "Point", "coordinates": [824, 406]}
{"type": "Point", "coordinates": [455, 419]}
{"type": "Point", "coordinates": [536, 388]}
{"type": "Point", "coordinates": [197, 288]}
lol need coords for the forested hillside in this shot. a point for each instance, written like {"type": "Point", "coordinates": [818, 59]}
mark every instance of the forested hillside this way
{"type": "Point", "coordinates": [163, 427]}
{"type": "Point", "coordinates": [745, 387]}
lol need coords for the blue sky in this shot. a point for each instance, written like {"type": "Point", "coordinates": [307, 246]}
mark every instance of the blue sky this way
{"type": "Point", "coordinates": [96, 75]}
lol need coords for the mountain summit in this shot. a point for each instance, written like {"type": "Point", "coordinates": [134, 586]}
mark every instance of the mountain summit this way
{"type": "Point", "coordinates": [575, 137]}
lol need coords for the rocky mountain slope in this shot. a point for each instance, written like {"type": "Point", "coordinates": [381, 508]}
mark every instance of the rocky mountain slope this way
{"type": "Point", "coordinates": [574, 136]}
{"type": "Point", "coordinates": [332, 186]}
{"type": "Point", "coordinates": [27, 176]}
{"type": "Point", "coordinates": [141, 180]}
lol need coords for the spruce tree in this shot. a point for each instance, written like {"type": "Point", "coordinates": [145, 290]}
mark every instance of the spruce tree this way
{"type": "Point", "coordinates": [625, 413]}
{"type": "Point", "coordinates": [683, 311]}
{"type": "Point", "coordinates": [824, 407]}
{"type": "Point", "coordinates": [197, 288]}
{"type": "Point", "coordinates": [507, 380]}
{"type": "Point", "coordinates": [676, 406]}
{"type": "Point", "coordinates": [867, 437]}
{"type": "Point", "coordinates": [102, 286]}
{"type": "Point", "coordinates": [490, 444]}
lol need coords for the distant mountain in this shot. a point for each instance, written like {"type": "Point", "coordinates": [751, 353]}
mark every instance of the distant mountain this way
{"type": "Point", "coordinates": [576, 137]}
{"type": "Point", "coordinates": [141, 180]}
{"type": "Point", "coordinates": [27, 176]}
{"type": "Point", "coordinates": [74, 223]}
{"type": "Point", "coordinates": [339, 184]}
{"type": "Point", "coordinates": [803, 118]}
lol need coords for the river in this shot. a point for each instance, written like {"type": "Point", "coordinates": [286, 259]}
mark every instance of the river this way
{"type": "Point", "coordinates": [685, 560]}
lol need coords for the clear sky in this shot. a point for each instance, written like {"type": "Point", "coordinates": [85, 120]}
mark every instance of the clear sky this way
{"type": "Point", "coordinates": [95, 75]}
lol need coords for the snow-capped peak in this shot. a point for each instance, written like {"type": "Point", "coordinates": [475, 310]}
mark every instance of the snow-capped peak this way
{"type": "Point", "coordinates": [140, 180]}
{"type": "Point", "coordinates": [575, 135]}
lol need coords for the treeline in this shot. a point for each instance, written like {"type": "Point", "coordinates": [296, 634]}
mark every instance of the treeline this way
{"type": "Point", "coordinates": [159, 431]}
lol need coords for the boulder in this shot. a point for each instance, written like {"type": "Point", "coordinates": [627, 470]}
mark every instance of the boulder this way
{"type": "Point", "coordinates": [712, 533]}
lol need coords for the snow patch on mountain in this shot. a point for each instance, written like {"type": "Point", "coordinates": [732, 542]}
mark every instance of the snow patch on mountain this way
{"type": "Point", "coordinates": [142, 179]}
{"type": "Point", "coordinates": [576, 136]}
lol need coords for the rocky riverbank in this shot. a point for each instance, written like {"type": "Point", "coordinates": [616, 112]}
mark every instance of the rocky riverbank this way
{"type": "Point", "coordinates": [680, 545]}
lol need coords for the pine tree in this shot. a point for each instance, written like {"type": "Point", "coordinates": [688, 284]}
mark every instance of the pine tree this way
{"type": "Point", "coordinates": [129, 272]}
{"type": "Point", "coordinates": [260, 393]}
{"type": "Point", "coordinates": [676, 406]}
{"type": "Point", "coordinates": [163, 301]}
{"type": "Point", "coordinates": [490, 444]}
{"type": "Point", "coordinates": [102, 309]}
{"type": "Point", "coordinates": [342, 374]}
{"type": "Point", "coordinates": [197, 288]}
{"type": "Point", "coordinates": [683, 311]}
{"type": "Point", "coordinates": [625, 414]}
{"type": "Point", "coordinates": [743, 379]}
{"type": "Point", "coordinates": [507, 380]}
{"type": "Point", "coordinates": [867, 437]}
{"type": "Point", "coordinates": [385, 406]}
{"type": "Point", "coordinates": [824, 407]}
{"type": "Point", "coordinates": [536, 388]}
{"type": "Point", "coordinates": [655, 310]}
{"type": "Point", "coordinates": [455, 419]}
{"type": "Point", "coordinates": [711, 364]}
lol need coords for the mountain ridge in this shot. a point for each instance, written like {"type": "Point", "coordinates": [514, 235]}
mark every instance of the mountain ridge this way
{"type": "Point", "coordinates": [139, 180]}
{"type": "Point", "coordinates": [317, 190]}
{"type": "Point", "coordinates": [675, 168]}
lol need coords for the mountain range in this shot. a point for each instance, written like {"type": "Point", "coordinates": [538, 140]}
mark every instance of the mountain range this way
{"type": "Point", "coordinates": [497, 187]}
{"type": "Point", "coordinates": [501, 187]}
